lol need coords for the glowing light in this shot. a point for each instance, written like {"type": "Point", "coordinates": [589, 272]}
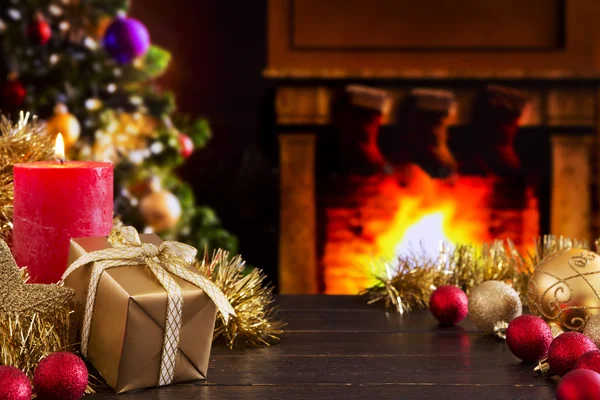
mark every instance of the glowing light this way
{"type": "Point", "coordinates": [59, 148]}
{"type": "Point", "coordinates": [425, 235]}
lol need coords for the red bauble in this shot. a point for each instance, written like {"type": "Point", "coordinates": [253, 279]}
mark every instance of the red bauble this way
{"type": "Point", "coordinates": [566, 349]}
{"type": "Point", "coordinates": [590, 360]}
{"type": "Point", "coordinates": [449, 304]}
{"type": "Point", "coordinates": [60, 376]}
{"type": "Point", "coordinates": [186, 145]}
{"type": "Point", "coordinates": [13, 94]}
{"type": "Point", "coordinates": [528, 337]}
{"type": "Point", "coordinates": [14, 384]}
{"type": "Point", "coordinates": [39, 31]}
{"type": "Point", "coordinates": [580, 384]}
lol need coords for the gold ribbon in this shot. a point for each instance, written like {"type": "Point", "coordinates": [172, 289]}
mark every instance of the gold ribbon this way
{"type": "Point", "coordinates": [169, 257]}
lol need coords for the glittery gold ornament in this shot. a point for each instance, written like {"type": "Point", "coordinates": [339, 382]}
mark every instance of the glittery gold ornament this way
{"type": "Point", "coordinates": [18, 297]}
{"type": "Point", "coordinates": [160, 210]}
{"type": "Point", "coordinates": [592, 329]}
{"type": "Point", "coordinates": [491, 303]}
{"type": "Point", "coordinates": [564, 288]}
{"type": "Point", "coordinates": [65, 123]}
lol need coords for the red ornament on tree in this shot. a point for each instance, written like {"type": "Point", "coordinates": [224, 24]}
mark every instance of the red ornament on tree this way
{"type": "Point", "coordinates": [14, 384]}
{"type": "Point", "coordinates": [186, 145]}
{"type": "Point", "coordinates": [39, 31]}
{"type": "Point", "coordinates": [449, 304]}
{"type": "Point", "coordinates": [529, 337]}
{"type": "Point", "coordinates": [60, 376]}
{"type": "Point", "coordinates": [580, 384]}
{"type": "Point", "coordinates": [13, 93]}
{"type": "Point", "coordinates": [590, 360]}
{"type": "Point", "coordinates": [566, 349]}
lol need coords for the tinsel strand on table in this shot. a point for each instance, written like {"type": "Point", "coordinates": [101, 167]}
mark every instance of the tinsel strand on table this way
{"type": "Point", "coordinates": [409, 282]}
{"type": "Point", "coordinates": [24, 141]}
{"type": "Point", "coordinates": [256, 323]}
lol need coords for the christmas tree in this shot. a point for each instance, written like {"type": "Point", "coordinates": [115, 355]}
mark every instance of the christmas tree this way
{"type": "Point", "coordinates": [90, 71]}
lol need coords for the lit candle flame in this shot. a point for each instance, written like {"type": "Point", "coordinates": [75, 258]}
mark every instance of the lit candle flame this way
{"type": "Point", "coordinates": [59, 148]}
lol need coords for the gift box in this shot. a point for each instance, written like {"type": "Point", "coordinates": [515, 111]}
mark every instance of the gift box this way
{"type": "Point", "coordinates": [130, 309]}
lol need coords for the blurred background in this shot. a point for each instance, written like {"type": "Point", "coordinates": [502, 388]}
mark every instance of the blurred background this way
{"type": "Point", "coordinates": [349, 131]}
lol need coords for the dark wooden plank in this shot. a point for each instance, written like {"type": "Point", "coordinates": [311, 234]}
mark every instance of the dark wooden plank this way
{"type": "Point", "coordinates": [498, 368]}
{"type": "Point", "coordinates": [347, 349]}
{"type": "Point", "coordinates": [324, 302]}
{"type": "Point", "coordinates": [366, 321]}
{"type": "Point", "coordinates": [338, 392]}
{"type": "Point", "coordinates": [450, 342]}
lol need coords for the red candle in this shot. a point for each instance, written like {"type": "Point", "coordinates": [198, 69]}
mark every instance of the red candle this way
{"type": "Point", "coordinates": [54, 202]}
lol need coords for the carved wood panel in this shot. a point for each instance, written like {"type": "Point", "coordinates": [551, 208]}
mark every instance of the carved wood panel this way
{"type": "Point", "coordinates": [390, 38]}
{"type": "Point", "coordinates": [427, 25]}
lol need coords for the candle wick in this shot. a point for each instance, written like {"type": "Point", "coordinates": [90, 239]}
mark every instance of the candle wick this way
{"type": "Point", "coordinates": [61, 160]}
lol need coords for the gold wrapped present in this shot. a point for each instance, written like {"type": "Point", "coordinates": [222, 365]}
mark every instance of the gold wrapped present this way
{"type": "Point", "coordinates": [148, 318]}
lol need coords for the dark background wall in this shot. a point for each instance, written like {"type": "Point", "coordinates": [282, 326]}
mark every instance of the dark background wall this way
{"type": "Point", "coordinates": [219, 51]}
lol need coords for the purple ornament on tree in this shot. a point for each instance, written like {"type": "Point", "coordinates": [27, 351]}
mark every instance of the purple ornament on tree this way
{"type": "Point", "coordinates": [126, 39]}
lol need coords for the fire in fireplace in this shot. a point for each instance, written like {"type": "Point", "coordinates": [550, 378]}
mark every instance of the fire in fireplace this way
{"type": "Point", "coordinates": [375, 207]}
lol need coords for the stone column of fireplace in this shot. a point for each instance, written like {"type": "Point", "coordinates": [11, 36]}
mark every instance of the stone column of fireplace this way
{"type": "Point", "coordinates": [297, 225]}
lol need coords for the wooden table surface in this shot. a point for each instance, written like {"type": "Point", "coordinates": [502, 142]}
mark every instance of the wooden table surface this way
{"type": "Point", "coordinates": [337, 347]}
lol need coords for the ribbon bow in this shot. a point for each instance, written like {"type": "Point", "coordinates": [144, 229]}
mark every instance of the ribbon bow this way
{"type": "Point", "coordinates": [169, 257]}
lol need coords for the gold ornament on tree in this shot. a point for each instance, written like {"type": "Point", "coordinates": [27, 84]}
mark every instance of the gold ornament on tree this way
{"type": "Point", "coordinates": [564, 288]}
{"type": "Point", "coordinates": [493, 304]}
{"type": "Point", "coordinates": [25, 141]}
{"type": "Point", "coordinates": [256, 323]}
{"type": "Point", "coordinates": [35, 320]}
{"type": "Point", "coordinates": [123, 135]}
{"type": "Point", "coordinates": [65, 123]}
{"type": "Point", "coordinates": [160, 210]}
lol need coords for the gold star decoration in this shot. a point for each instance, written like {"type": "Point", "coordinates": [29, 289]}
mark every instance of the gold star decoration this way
{"type": "Point", "coordinates": [18, 297]}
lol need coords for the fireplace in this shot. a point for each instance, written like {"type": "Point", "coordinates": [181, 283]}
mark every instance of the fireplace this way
{"type": "Point", "coordinates": [341, 223]}
{"type": "Point", "coordinates": [477, 143]}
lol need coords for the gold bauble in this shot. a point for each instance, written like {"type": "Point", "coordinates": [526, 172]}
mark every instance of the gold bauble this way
{"type": "Point", "coordinates": [66, 123]}
{"type": "Point", "coordinates": [592, 329]}
{"type": "Point", "coordinates": [160, 210]}
{"type": "Point", "coordinates": [493, 302]}
{"type": "Point", "coordinates": [564, 288]}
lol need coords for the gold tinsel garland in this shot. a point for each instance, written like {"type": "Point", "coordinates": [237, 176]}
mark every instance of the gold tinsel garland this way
{"type": "Point", "coordinates": [25, 141]}
{"type": "Point", "coordinates": [255, 324]}
{"type": "Point", "coordinates": [35, 320]}
{"type": "Point", "coordinates": [27, 338]}
{"type": "Point", "coordinates": [409, 283]}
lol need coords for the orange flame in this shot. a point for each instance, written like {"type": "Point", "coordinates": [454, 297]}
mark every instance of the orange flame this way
{"type": "Point", "coordinates": [396, 219]}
